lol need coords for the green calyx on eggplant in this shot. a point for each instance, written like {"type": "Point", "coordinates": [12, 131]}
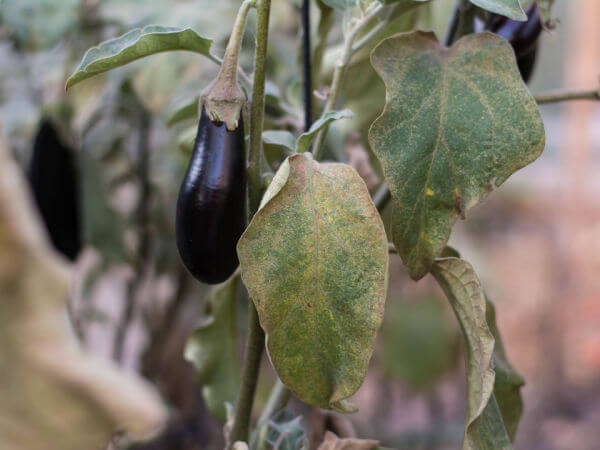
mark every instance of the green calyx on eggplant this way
{"type": "Point", "coordinates": [54, 180]}
{"type": "Point", "coordinates": [211, 208]}
{"type": "Point", "coordinates": [522, 36]}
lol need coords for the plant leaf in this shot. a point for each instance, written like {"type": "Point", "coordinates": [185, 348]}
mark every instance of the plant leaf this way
{"type": "Point", "coordinates": [305, 139]}
{"type": "Point", "coordinates": [509, 8]}
{"type": "Point", "coordinates": [485, 427]}
{"type": "Point", "coordinates": [136, 44]}
{"type": "Point", "coordinates": [213, 350]}
{"type": "Point", "coordinates": [332, 442]}
{"type": "Point", "coordinates": [508, 383]}
{"type": "Point", "coordinates": [314, 259]}
{"type": "Point", "coordinates": [185, 111]}
{"type": "Point", "coordinates": [281, 432]}
{"type": "Point", "coordinates": [281, 138]}
{"type": "Point", "coordinates": [53, 396]}
{"type": "Point", "coordinates": [457, 123]}
{"type": "Point", "coordinates": [340, 4]}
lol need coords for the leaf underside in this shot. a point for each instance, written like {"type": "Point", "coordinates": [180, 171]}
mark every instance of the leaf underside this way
{"type": "Point", "coordinates": [456, 124]}
{"type": "Point", "coordinates": [509, 8]}
{"type": "Point", "coordinates": [136, 44]}
{"type": "Point", "coordinates": [314, 260]}
{"type": "Point", "coordinates": [494, 402]}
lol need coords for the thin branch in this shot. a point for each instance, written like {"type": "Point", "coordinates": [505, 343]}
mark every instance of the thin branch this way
{"type": "Point", "coordinates": [340, 71]}
{"type": "Point", "coordinates": [307, 66]}
{"type": "Point", "coordinates": [256, 336]}
{"type": "Point", "coordinates": [565, 96]}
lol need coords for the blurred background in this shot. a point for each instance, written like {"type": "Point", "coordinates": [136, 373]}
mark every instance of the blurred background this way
{"type": "Point", "coordinates": [535, 242]}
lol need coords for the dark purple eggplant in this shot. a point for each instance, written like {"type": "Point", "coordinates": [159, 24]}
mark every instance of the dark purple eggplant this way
{"type": "Point", "coordinates": [211, 205]}
{"type": "Point", "coordinates": [54, 181]}
{"type": "Point", "coordinates": [523, 36]}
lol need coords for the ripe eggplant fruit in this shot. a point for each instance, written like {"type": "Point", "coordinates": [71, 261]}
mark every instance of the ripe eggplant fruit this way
{"type": "Point", "coordinates": [523, 36]}
{"type": "Point", "coordinates": [54, 182]}
{"type": "Point", "coordinates": [211, 211]}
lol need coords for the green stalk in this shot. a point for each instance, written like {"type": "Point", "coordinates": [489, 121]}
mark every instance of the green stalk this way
{"type": "Point", "coordinates": [340, 71]}
{"type": "Point", "coordinates": [256, 337]}
{"type": "Point", "coordinates": [564, 96]}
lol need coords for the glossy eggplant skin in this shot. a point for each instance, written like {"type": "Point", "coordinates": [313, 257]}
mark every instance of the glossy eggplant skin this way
{"type": "Point", "coordinates": [523, 36]}
{"type": "Point", "coordinates": [54, 180]}
{"type": "Point", "coordinates": [211, 208]}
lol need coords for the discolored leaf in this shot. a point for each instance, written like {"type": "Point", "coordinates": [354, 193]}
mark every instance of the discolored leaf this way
{"type": "Point", "coordinates": [53, 396]}
{"type": "Point", "coordinates": [314, 260]}
{"type": "Point", "coordinates": [492, 397]}
{"type": "Point", "coordinates": [509, 8]}
{"type": "Point", "coordinates": [137, 44]}
{"type": "Point", "coordinates": [457, 123]}
{"type": "Point", "coordinates": [332, 442]}
{"type": "Point", "coordinates": [213, 350]}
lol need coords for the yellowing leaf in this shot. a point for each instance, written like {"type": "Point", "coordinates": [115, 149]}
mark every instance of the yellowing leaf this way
{"type": "Point", "coordinates": [52, 395]}
{"type": "Point", "coordinates": [315, 260]}
{"type": "Point", "coordinates": [457, 123]}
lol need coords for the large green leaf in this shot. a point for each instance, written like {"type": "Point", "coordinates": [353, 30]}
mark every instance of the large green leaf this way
{"type": "Point", "coordinates": [213, 349]}
{"type": "Point", "coordinates": [314, 260]}
{"type": "Point", "coordinates": [508, 8]}
{"type": "Point", "coordinates": [457, 123]}
{"type": "Point", "coordinates": [137, 44]}
{"type": "Point", "coordinates": [493, 399]}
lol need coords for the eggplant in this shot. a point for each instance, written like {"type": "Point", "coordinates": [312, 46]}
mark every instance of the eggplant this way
{"type": "Point", "coordinates": [211, 212]}
{"type": "Point", "coordinates": [54, 181]}
{"type": "Point", "coordinates": [522, 36]}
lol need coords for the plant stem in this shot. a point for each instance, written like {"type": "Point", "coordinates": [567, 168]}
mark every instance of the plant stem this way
{"type": "Point", "coordinates": [232, 52]}
{"type": "Point", "coordinates": [564, 96]}
{"type": "Point", "coordinates": [256, 336]}
{"type": "Point", "coordinates": [278, 398]}
{"type": "Point", "coordinates": [462, 21]}
{"type": "Point", "coordinates": [340, 71]}
{"type": "Point", "coordinates": [306, 61]}
{"type": "Point", "coordinates": [258, 107]}
{"type": "Point", "coordinates": [326, 23]}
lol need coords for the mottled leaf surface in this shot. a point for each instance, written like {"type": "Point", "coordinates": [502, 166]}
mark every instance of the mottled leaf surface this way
{"type": "Point", "coordinates": [213, 349]}
{"type": "Point", "coordinates": [53, 395]}
{"type": "Point", "coordinates": [314, 260]}
{"type": "Point", "coordinates": [137, 44]}
{"type": "Point", "coordinates": [492, 396]}
{"type": "Point", "coordinates": [456, 124]}
{"type": "Point", "coordinates": [509, 8]}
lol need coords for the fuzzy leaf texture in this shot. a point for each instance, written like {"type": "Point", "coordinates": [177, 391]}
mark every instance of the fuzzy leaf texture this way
{"type": "Point", "coordinates": [494, 403]}
{"type": "Point", "coordinates": [315, 262]}
{"type": "Point", "coordinates": [53, 396]}
{"type": "Point", "coordinates": [457, 123]}
{"type": "Point", "coordinates": [213, 350]}
{"type": "Point", "coordinates": [136, 44]}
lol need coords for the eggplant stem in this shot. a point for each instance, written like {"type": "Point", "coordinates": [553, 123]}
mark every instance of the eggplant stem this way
{"type": "Point", "coordinates": [565, 95]}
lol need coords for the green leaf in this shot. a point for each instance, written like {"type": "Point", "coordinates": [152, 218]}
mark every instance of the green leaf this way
{"type": "Point", "coordinates": [213, 350]}
{"type": "Point", "coordinates": [185, 111]}
{"type": "Point", "coordinates": [281, 138]}
{"type": "Point", "coordinates": [457, 123]}
{"type": "Point", "coordinates": [490, 400]}
{"type": "Point", "coordinates": [508, 383]}
{"type": "Point", "coordinates": [509, 8]}
{"type": "Point", "coordinates": [306, 139]}
{"type": "Point", "coordinates": [545, 8]}
{"type": "Point", "coordinates": [137, 44]}
{"type": "Point", "coordinates": [314, 260]}
{"type": "Point", "coordinates": [340, 4]}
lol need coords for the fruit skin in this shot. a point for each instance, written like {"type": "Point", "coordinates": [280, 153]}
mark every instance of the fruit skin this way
{"type": "Point", "coordinates": [54, 180]}
{"type": "Point", "coordinates": [523, 36]}
{"type": "Point", "coordinates": [211, 212]}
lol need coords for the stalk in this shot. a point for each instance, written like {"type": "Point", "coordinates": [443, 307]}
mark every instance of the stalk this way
{"type": "Point", "coordinates": [564, 96]}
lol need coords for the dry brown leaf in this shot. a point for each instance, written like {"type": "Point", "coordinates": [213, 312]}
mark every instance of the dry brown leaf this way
{"type": "Point", "coordinates": [53, 396]}
{"type": "Point", "coordinates": [332, 442]}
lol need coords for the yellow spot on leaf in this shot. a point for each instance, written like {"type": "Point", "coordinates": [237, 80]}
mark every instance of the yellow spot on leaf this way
{"type": "Point", "coordinates": [429, 192]}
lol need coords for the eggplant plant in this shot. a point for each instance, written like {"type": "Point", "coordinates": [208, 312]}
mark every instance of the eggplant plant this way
{"type": "Point", "coordinates": [275, 204]}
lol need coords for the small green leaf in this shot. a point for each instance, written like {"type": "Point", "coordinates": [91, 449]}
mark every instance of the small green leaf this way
{"type": "Point", "coordinates": [281, 432]}
{"type": "Point", "coordinates": [509, 8]}
{"type": "Point", "coordinates": [314, 259]}
{"type": "Point", "coordinates": [493, 398]}
{"type": "Point", "coordinates": [137, 44]}
{"type": "Point", "coordinates": [281, 138]}
{"type": "Point", "coordinates": [213, 350]}
{"type": "Point", "coordinates": [306, 139]}
{"type": "Point", "coordinates": [340, 4]}
{"type": "Point", "coordinates": [457, 123]}
{"type": "Point", "coordinates": [545, 8]}
{"type": "Point", "coordinates": [185, 111]}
